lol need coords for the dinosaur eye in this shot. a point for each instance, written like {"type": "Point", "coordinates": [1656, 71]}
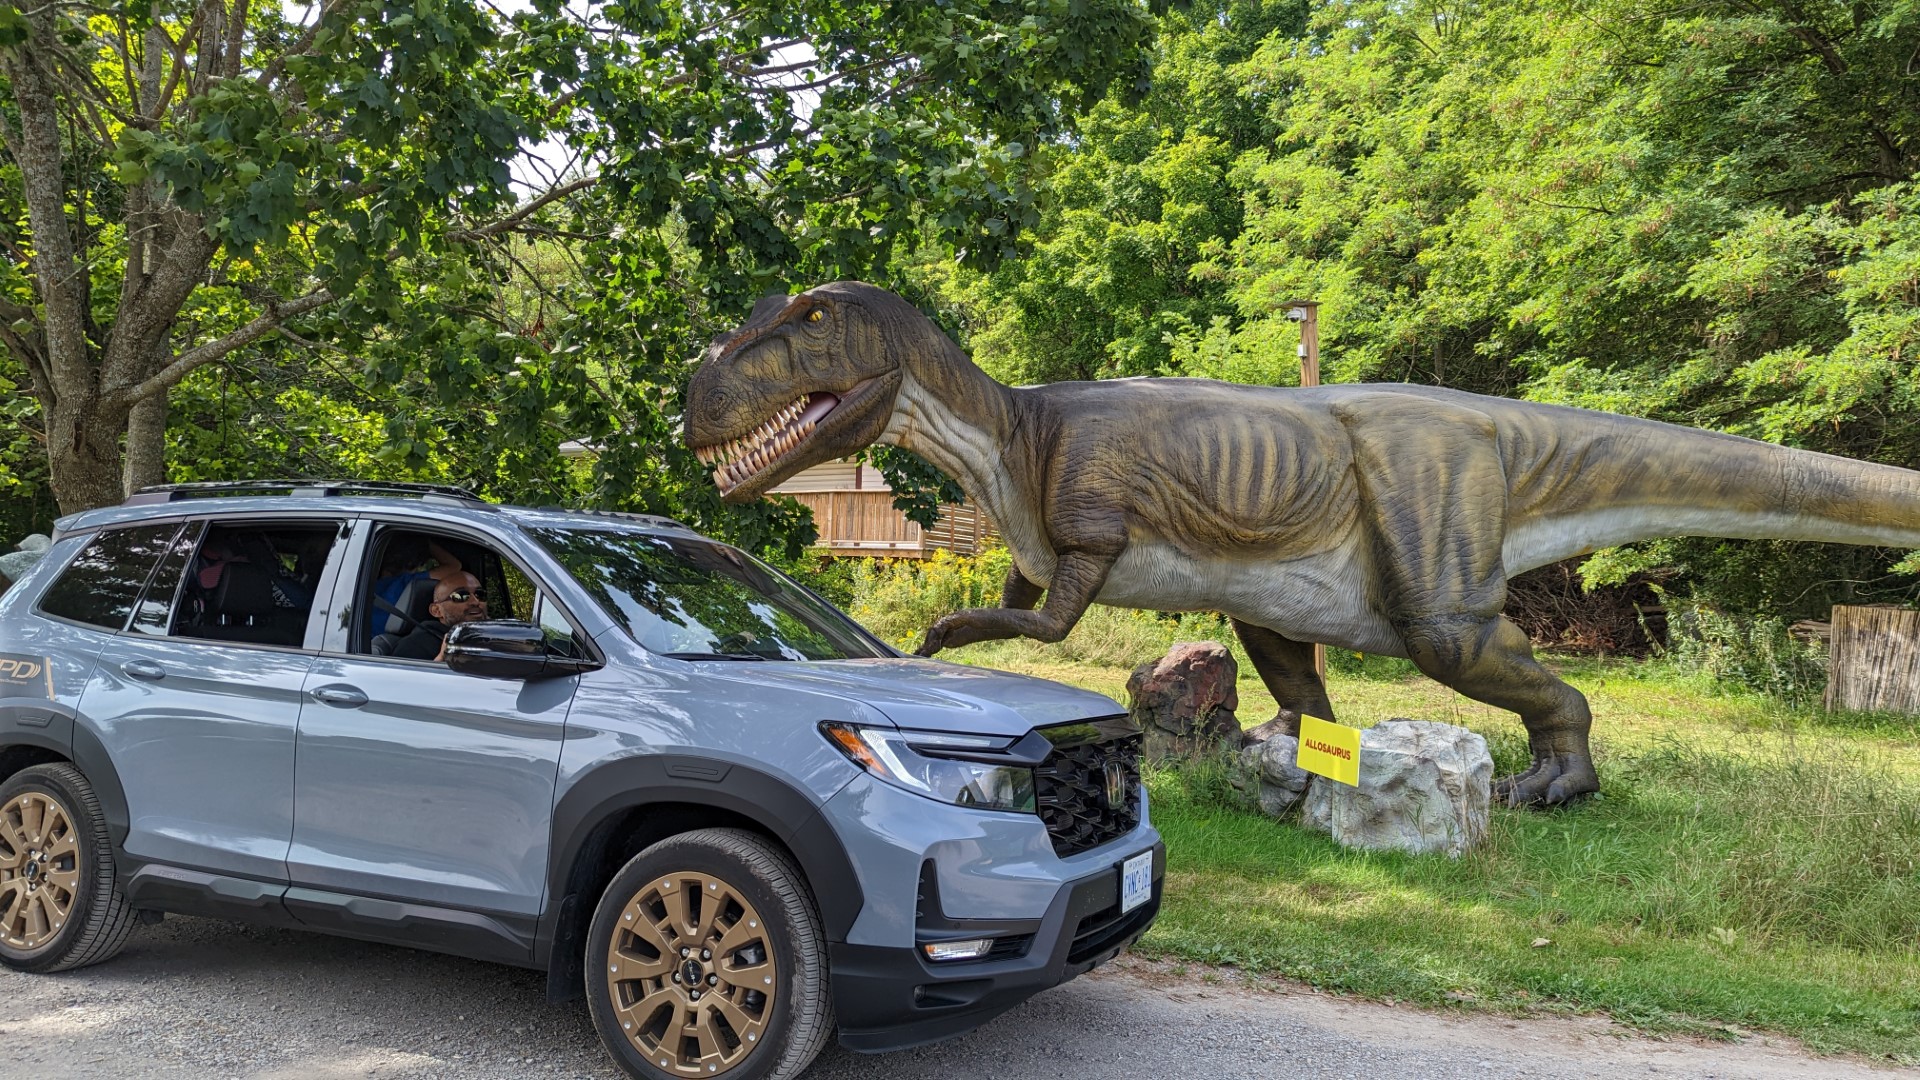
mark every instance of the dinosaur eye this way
{"type": "Point", "coordinates": [815, 315]}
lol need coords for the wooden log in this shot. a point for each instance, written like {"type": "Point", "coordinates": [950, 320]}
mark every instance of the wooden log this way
{"type": "Point", "coordinates": [1874, 659]}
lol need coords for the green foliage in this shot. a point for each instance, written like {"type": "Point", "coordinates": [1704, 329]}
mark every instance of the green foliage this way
{"type": "Point", "coordinates": [898, 599]}
{"type": "Point", "coordinates": [1705, 215]}
{"type": "Point", "coordinates": [698, 155]}
{"type": "Point", "coordinates": [1747, 653]}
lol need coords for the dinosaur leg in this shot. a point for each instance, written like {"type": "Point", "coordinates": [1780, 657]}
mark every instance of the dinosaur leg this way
{"type": "Point", "coordinates": [1436, 493]}
{"type": "Point", "coordinates": [1286, 667]}
{"type": "Point", "coordinates": [1489, 659]}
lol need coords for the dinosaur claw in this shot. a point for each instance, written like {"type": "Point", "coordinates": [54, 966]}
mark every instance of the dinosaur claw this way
{"type": "Point", "coordinates": [932, 643]}
{"type": "Point", "coordinates": [1552, 781]}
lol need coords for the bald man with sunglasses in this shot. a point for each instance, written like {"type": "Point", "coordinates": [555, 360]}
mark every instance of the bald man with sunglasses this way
{"type": "Point", "coordinates": [457, 599]}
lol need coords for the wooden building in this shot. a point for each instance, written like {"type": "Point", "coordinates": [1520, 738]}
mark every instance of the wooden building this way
{"type": "Point", "coordinates": [853, 509]}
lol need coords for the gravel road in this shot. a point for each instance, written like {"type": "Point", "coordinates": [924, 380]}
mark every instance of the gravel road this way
{"type": "Point", "coordinates": [193, 998]}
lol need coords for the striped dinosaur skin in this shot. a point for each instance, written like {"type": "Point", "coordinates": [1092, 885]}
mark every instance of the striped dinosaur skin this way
{"type": "Point", "coordinates": [1384, 518]}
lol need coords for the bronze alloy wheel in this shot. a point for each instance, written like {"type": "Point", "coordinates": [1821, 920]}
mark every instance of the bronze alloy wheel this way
{"type": "Point", "coordinates": [39, 870]}
{"type": "Point", "coordinates": [690, 973]}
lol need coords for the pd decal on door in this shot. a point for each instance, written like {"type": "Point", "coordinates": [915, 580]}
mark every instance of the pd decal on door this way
{"type": "Point", "coordinates": [25, 676]}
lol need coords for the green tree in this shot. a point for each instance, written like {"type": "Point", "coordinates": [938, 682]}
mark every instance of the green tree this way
{"type": "Point", "coordinates": [1116, 281]}
{"type": "Point", "coordinates": [188, 181]}
{"type": "Point", "coordinates": [1702, 214]}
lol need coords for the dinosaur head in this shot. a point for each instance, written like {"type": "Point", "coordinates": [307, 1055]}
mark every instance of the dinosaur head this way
{"type": "Point", "coordinates": [809, 378]}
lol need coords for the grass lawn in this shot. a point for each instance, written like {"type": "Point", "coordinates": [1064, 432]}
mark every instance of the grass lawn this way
{"type": "Point", "coordinates": [1745, 867]}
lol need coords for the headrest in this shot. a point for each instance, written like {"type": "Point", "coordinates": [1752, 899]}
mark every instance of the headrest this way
{"type": "Point", "coordinates": [245, 589]}
{"type": "Point", "coordinates": [414, 600]}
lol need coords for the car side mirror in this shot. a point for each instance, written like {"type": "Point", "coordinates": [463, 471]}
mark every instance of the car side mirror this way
{"type": "Point", "coordinates": [508, 649]}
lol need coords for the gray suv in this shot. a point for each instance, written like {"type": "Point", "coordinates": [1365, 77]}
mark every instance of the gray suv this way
{"type": "Point", "coordinates": [639, 760]}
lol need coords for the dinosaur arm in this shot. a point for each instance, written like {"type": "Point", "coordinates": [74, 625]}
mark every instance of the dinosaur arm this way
{"type": "Point", "coordinates": [1076, 581]}
{"type": "Point", "coordinates": [1019, 592]}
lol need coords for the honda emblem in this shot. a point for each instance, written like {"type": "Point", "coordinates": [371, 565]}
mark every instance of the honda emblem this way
{"type": "Point", "coordinates": [1116, 786]}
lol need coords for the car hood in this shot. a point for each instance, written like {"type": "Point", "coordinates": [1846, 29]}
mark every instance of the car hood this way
{"type": "Point", "coordinates": [931, 695]}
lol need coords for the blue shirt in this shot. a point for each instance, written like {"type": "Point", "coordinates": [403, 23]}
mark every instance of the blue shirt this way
{"type": "Point", "coordinates": [389, 589]}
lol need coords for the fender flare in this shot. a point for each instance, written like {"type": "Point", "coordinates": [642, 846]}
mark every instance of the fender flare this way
{"type": "Point", "coordinates": [90, 756]}
{"type": "Point", "coordinates": [634, 782]}
{"type": "Point", "coordinates": [73, 742]}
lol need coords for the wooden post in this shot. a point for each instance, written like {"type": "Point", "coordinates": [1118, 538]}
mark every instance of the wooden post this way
{"type": "Point", "coordinates": [1307, 314]}
{"type": "Point", "coordinates": [1874, 659]}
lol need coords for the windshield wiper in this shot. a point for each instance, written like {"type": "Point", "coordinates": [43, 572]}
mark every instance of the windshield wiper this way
{"type": "Point", "coordinates": [713, 656]}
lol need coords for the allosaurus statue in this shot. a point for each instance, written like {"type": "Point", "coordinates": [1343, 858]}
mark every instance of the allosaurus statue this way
{"type": "Point", "coordinates": [1382, 518]}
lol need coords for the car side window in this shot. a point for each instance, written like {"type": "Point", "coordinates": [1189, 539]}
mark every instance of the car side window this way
{"type": "Point", "coordinates": [155, 612]}
{"type": "Point", "coordinates": [559, 634]}
{"type": "Point", "coordinates": [100, 585]}
{"type": "Point", "coordinates": [253, 582]}
{"type": "Point", "coordinates": [409, 570]}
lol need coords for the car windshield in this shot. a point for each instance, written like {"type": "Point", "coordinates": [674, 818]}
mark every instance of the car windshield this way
{"type": "Point", "coordinates": [696, 599]}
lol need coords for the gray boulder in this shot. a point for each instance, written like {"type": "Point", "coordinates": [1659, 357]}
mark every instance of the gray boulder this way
{"type": "Point", "coordinates": [1185, 700]}
{"type": "Point", "coordinates": [1268, 772]}
{"type": "Point", "coordinates": [14, 564]}
{"type": "Point", "coordinates": [1424, 787]}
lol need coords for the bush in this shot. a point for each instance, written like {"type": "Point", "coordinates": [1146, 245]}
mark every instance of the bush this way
{"type": "Point", "coordinates": [1747, 653]}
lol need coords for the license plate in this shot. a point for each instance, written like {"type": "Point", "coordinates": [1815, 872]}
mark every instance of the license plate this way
{"type": "Point", "coordinates": [1136, 881]}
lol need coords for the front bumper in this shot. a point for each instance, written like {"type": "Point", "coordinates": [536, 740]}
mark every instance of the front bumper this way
{"type": "Point", "coordinates": [890, 998]}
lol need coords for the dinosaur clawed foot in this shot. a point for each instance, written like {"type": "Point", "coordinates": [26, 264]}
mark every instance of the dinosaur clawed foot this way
{"type": "Point", "coordinates": [1554, 780]}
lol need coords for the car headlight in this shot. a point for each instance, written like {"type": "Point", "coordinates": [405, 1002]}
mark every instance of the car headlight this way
{"type": "Point", "coordinates": [958, 769]}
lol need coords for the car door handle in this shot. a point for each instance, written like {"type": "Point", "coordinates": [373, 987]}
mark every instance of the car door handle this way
{"type": "Point", "coordinates": [343, 696]}
{"type": "Point", "coordinates": [144, 669]}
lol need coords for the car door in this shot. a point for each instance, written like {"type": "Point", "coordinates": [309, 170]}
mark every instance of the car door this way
{"type": "Point", "coordinates": [417, 783]}
{"type": "Point", "coordinates": [198, 710]}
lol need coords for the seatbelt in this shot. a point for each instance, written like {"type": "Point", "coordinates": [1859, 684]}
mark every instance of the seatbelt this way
{"type": "Point", "coordinates": [393, 609]}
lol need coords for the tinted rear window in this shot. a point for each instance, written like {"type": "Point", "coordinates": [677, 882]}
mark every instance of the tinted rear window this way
{"type": "Point", "coordinates": [100, 585]}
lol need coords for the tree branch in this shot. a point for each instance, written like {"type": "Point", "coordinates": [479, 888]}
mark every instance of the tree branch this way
{"type": "Point", "coordinates": [507, 223]}
{"type": "Point", "coordinates": [63, 284]}
{"type": "Point", "coordinates": [301, 46]}
{"type": "Point", "coordinates": [266, 323]}
{"type": "Point", "coordinates": [236, 37]}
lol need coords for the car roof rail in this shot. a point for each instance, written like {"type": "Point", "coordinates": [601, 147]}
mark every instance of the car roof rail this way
{"type": "Point", "coordinates": [622, 515]}
{"type": "Point", "coordinates": [438, 493]}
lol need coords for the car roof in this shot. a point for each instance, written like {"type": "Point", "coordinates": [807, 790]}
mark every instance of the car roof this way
{"type": "Point", "coordinates": [424, 504]}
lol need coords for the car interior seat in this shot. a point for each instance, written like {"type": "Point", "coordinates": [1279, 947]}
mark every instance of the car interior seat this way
{"type": "Point", "coordinates": [414, 601]}
{"type": "Point", "coordinates": [242, 608]}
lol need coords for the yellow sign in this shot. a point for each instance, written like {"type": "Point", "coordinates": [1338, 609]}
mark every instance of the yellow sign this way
{"type": "Point", "coordinates": [1329, 749]}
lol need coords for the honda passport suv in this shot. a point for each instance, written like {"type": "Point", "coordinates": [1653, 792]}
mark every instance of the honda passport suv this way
{"type": "Point", "coordinates": [641, 761]}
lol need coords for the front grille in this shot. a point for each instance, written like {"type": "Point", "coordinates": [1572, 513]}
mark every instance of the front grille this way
{"type": "Point", "coordinates": [1070, 787]}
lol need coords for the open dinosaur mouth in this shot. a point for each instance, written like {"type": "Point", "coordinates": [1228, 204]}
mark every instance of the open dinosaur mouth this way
{"type": "Point", "coordinates": [765, 446]}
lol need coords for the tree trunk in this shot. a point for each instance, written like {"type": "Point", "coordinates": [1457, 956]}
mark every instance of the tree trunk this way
{"type": "Point", "coordinates": [83, 451]}
{"type": "Point", "coordinates": [146, 455]}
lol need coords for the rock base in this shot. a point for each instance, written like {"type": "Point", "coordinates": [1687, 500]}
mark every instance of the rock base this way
{"type": "Point", "coordinates": [1269, 773]}
{"type": "Point", "coordinates": [1424, 787]}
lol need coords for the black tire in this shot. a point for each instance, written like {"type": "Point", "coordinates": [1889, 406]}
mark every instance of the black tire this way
{"type": "Point", "coordinates": [792, 1023]}
{"type": "Point", "coordinates": [80, 873]}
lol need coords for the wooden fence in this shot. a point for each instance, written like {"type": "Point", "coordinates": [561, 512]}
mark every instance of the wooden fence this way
{"type": "Point", "coordinates": [865, 523]}
{"type": "Point", "coordinates": [1874, 659]}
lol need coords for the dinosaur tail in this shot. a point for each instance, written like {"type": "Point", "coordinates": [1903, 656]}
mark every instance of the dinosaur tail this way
{"type": "Point", "coordinates": [1639, 479]}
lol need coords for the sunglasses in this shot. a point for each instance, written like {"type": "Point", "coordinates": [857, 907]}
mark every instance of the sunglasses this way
{"type": "Point", "coordinates": [461, 596]}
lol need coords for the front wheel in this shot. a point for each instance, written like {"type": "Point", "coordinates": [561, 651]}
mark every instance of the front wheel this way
{"type": "Point", "coordinates": [60, 900]}
{"type": "Point", "coordinates": [710, 961]}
